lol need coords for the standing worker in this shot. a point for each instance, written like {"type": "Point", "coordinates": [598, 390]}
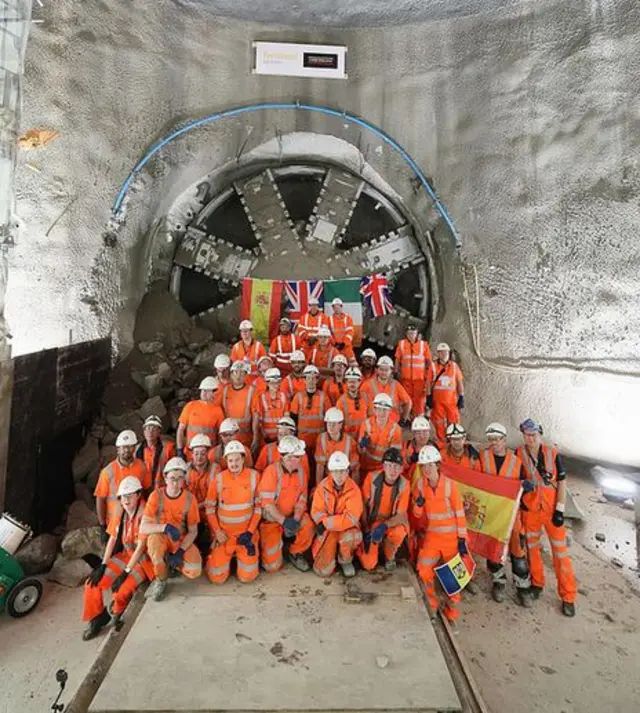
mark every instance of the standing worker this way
{"type": "Point", "coordinates": [341, 326]}
{"type": "Point", "coordinates": [354, 404]}
{"type": "Point", "coordinates": [335, 386]}
{"type": "Point", "coordinates": [310, 322]}
{"type": "Point", "coordinates": [446, 399]}
{"type": "Point", "coordinates": [459, 451]}
{"type": "Point", "coordinates": [170, 523]}
{"type": "Point", "coordinates": [238, 403]}
{"type": "Point", "coordinates": [543, 507]}
{"type": "Point", "coordinates": [322, 353]}
{"type": "Point", "coordinates": [437, 512]}
{"type": "Point", "coordinates": [308, 408]}
{"type": "Point", "coordinates": [283, 346]}
{"type": "Point", "coordinates": [271, 406]}
{"type": "Point", "coordinates": [155, 450]}
{"type": "Point", "coordinates": [199, 416]}
{"type": "Point", "coordinates": [295, 382]}
{"type": "Point", "coordinates": [283, 500]}
{"type": "Point", "coordinates": [384, 383]}
{"type": "Point", "coordinates": [385, 518]}
{"type": "Point", "coordinates": [378, 433]}
{"type": "Point", "coordinates": [336, 510]}
{"type": "Point", "coordinates": [420, 437]}
{"type": "Point", "coordinates": [221, 369]}
{"type": "Point", "coordinates": [368, 361]}
{"type": "Point", "coordinates": [414, 365]}
{"type": "Point", "coordinates": [332, 440]}
{"type": "Point", "coordinates": [248, 350]}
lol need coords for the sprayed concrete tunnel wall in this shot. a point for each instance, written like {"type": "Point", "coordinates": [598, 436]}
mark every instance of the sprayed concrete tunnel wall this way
{"type": "Point", "coordinates": [526, 118]}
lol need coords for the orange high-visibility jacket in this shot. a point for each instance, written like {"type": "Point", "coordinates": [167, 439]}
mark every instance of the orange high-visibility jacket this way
{"type": "Point", "coordinates": [130, 531]}
{"type": "Point", "coordinates": [334, 389]}
{"type": "Point", "coordinates": [341, 328]}
{"type": "Point", "coordinates": [446, 379]}
{"type": "Point", "coordinates": [545, 495]}
{"type": "Point", "coordinates": [326, 446]}
{"type": "Point", "coordinates": [281, 349]}
{"type": "Point", "coordinates": [356, 411]}
{"type": "Point", "coordinates": [337, 510]}
{"type": "Point", "coordinates": [309, 324]}
{"type": "Point", "coordinates": [271, 410]}
{"type": "Point", "coordinates": [270, 454]}
{"type": "Point", "coordinates": [232, 503]}
{"type": "Point", "coordinates": [201, 417]}
{"type": "Point", "coordinates": [199, 482]}
{"type": "Point", "coordinates": [293, 385]}
{"type": "Point", "coordinates": [470, 458]}
{"type": "Point", "coordinates": [249, 354]}
{"type": "Point", "coordinates": [239, 404]}
{"type": "Point", "coordinates": [383, 501]}
{"type": "Point", "coordinates": [511, 467]}
{"type": "Point", "coordinates": [414, 360]}
{"type": "Point", "coordinates": [310, 410]}
{"type": "Point", "coordinates": [110, 478]}
{"type": "Point", "coordinates": [156, 457]}
{"type": "Point", "coordinates": [393, 388]}
{"type": "Point", "coordinates": [181, 512]}
{"type": "Point", "coordinates": [381, 439]}
{"type": "Point", "coordinates": [287, 491]}
{"type": "Point", "coordinates": [441, 513]}
{"type": "Point", "coordinates": [322, 357]}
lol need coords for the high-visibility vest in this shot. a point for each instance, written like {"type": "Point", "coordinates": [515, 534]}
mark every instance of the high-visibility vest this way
{"type": "Point", "coordinates": [546, 485]}
{"type": "Point", "coordinates": [198, 483]}
{"type": "Point", "coordinates": [156, 458]}
{"type": "Point", "coordinates": [341, 328]}
{"type": "Point", "coordinates": [469, 458]}
{"type": "Point", "coordinates": [445, 382]}
{"type": "Point", "coordinates": [334, 389]}
{"type": "Point", "coordinates": [510, 467]}
{"type": "Point", "coordinates": [309, 324]}
{"type": "Point", "coordinates": [356, 411]}
{"type": "Point", "coordinates": [292, 385]}
{"type": "Point", "coordinates": [116, 473]}
{"type": "Point", "coordinates": [310, 413]}
{"type": "Point", "coordinates": [240, 412]}
{"type": "Point", "coordinates": [281, 349]}
{"type": "Point", "coordinates": [182, 523]}
{"type": "Point", "coordinates": [272, 411]}
{"type": "Point", "coordinates": [130, 527]}
{"type": "Point", "coordinates": [414, 360]}
{"type": "Point", "coordinates": [375, 496]}
{"type": "Point", "coordinates": [201, 417]}
{"type": "Point", "coordinates": [322, 358]}
{"type": "Point", "coordinates": [341, 508]}
{"type": "Point", "coordinates": [232, 502]}
{"type": "Point", "coordinates": [291, 486]}
{"type": "Point", "coordinates": [443, 509]}
{"type": "Point", "coordinates": [326, 447]}
{"type": "Point", "coordinates": [250, 355]}
{"type": "Point", "coordinates": [381, 439]}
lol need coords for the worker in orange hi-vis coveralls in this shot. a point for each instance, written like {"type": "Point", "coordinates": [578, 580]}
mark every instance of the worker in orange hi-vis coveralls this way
{"type": "Point", "coordinates": [497, 459]}
{"type": "Point", "coordinates": [335, 386]}
{"type": "Point", "coordinates": [446, 399]}
{"type": "Point", "coordinates": [283, 346]}
{"type": "Point", "coordinates": [322, 353]}
{"type": "Point", "coordinates": [125, 463]}
{"type": "Point", "coordinates": [265, 363]}
{"type": "Point", "coordinates": [170, 525]}
{"type": "Point", "coordinates": [124, 572]}
{"type": "Point", "coordinates": [543, 508]}
{"type": "Point", "coordinates": [238, 403]}
{"type": "Point", "coordinates": [385, 519]}
{"type": "Point", "coordinates": [332, 440]}
{"type": "Point", "coordinates": [308, 407]}
{"type": "Point", "coordinates": [341, 326]}
{"type": "Point", "coordinates": [198, 479]}
{"type": "Point", "coordinates": [271, 406]}
{"type": "Point", "coordinates": [310, 322]}
{"type": "Point", "coordinates": [199, 416]}
{"type": "Point", "coordinates": [368, 362]}
{"type": "Point", "coordinates": [336, 510]}
{"type": "Point", "coordinates": [354, 404]}
{"type": "Point", "coordinates": [229, 430]}
{"type": "Point", "coordinates": [378, 433]}
{"type": "Point", "coordinates": [248, 350]}
{"type": "Point", "coordinates": [420, 437]}
{"type": "Point", "coordinates": [155, 450]}
{"type": "Point", "coordinates": [233, 511]}
{"type": "Point", "coordinates": [283, 499]}
{"type": "Point", "coordinates": [458, 450]}
{"type": "Point", "coordinates": [414, 365]}
{"type": "Point", "coordinates": [294, 382]}
{"type": "Point", "coordinates": [384, 383]}
{"type": "Point", "coordinates": [437, 514]}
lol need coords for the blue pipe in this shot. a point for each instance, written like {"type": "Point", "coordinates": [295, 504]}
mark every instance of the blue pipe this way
{"type": "Point", "coordinates": [117, 206]}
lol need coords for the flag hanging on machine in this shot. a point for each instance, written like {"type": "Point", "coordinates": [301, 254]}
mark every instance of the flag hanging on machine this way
{"type": "Point", "coordinates": [349, 292]}
{"type": "Point", "coordinates": [375, 290]}
{"type": "Point", "coordinates": [298, 292]}
{"type": "Point", "coordinates": [261, 303]}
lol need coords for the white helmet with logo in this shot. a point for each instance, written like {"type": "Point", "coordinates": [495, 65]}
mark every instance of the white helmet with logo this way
{"type": "Point", "coordinates": [175, 464]}
{"type": "Point", "coordinates": [369, 353]}
{"type": "Point", "coordinates": [420, 423]}
{"type": "Point", "coordinates": [126, 438]}
{"type": "Point", "coordinates": [310, 370]}
{"type": "Point", "coordinates": [234, 447]}
{"type": "Point", "coordinates": [443, 347]}
{"type": "Point", "coordinates": [429, 454]}
{"type": "Point", "coordinates": [383, 401]}
{"type": "Point", "coordinates": [456, 430]}
{"type": "Point", "coordinates": [209, 383]}
{"type": "Point", "coordinates": [287, 422]}
{"type": "Point", "coordinates": [288, 446]}
{"type": "Point", "coordinates": [272, 375]}
{"type": "Point", "coordinates": [353, 374]}
{"type": "Point", "coordinates": [229, 425]}
{"type": "Point", "coordinates": [246, 324]}
{"type": "Point", "coordinates": [339, 359]}
{"type": "Point", "coordinates": [128, 486]}
{"type": "Point", "coordinates": [222, 361]}
{"type": "Point", "coordinates": [240, 366]}
{"type": "Point", "coordinates": [334, 415]}
{"type": "Point", "coordinates": [152, 421]}
{"type": "Point", "coordinates": [298, 355]}
{"type": "Point", "coordinates": [385, 361]}
{"type": "Point", "coordinates": [496, 429]}
{"type": "Point", "coordinates": [200, 440]}
{"type": "Point", "coordinates": [338, 461]}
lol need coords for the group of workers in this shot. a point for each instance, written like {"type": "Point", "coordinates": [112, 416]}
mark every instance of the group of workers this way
{"type": "Point", "coordinates": [307, 454]}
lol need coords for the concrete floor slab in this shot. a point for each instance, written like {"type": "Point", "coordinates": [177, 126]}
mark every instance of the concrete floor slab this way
{"type": "Point", "coordinates": [285, 643]}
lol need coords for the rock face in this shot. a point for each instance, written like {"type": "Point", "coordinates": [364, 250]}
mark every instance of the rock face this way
{"type": "Point", "coordinates": [152, 407]}
{"type": "Point", "coordinates": [38, 555]}
{"type": "Point", "coordinates": [69, 573]}
{"type": "Point", "coordinates": [78, 543]}
{"type": "Point", "coordinates": [86, 460]}
{"type": "Point", "coordinates": [153, 385]}
{"type": "Point", "coordinates": [150, 347]}
{"type": "Point", "coordinates": [80, 516]}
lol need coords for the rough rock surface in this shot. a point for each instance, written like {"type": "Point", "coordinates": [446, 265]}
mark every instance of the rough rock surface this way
{"type": "Point", "coordinates": [69, 572]}
{"type": "Point", "coordinates": [38, 555]}
{"type": "Point", "coordinates": [78, 543]}
{"type": "Point", "coordinates": [80, 516]}
{"type": "Point", "coordinates": [152, 407]}
{"type": "Point", "coordinates": [86, 459]}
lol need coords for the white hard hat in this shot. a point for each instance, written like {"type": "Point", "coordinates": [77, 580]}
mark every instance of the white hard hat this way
{"type": "Point", "coordinates": [313, 301]}
{"type": "Point", "coordinates": [385, 361]}
{"type": "Point", "coordinates": [287, 422]}
{"type": "Point", "coordinates": [286, 320]}
{"type": "Point", "coordinates": [209, 383]}
{"type": "Point", "coordinates": [126, 438]}
{"type": "Point", "coordinates": [128, 486]}
{"type": "Point", "coordinates": [324, 331]}
{"type": "Point", "coordinates": [176, 464]}
{"type": "Point", "coordinates": [239, 366]}
{"type": "Point", "coordinates": [340, 359]}
{"type": "Point", "coordinates": [264, 357]}
{"type": "Point", "coordinates": [152, 421]}
{"type": "Point", "coordinates": [338, 461]}
{"type": "Point", "coordinates": [420, 423]}
{"type": "Point", "coordinates": [337, 301]}
{"type": "Point", "coordinates": [369, 353]}
{"type": "Point", "coordinates": [272, 375]}
{"type": "Point", "coordinates": [298, 355]}
{"type": "Point", "coordinates": [443, 347]}
{"type": "Point", "coordinates": [234, 447]}
{"type": "Point", "coordinates": [200, 440]}
{"type": "Point", "coordinates": [353, 373]}
{"type": "Point", "coordinates": [288, 446]}
{"type": "Point", "coordinates": [222, 361]}
{"type": "Point", "coordinates": [334, 415]}
{"type": "Point", "coordinates": [229, 425]}
{"type": "Point", "coordinates": [310, 369]}
{"type": "Point", "coordinates": [383, 401]}
{"type": "Point", "coordinates": [429, 454]}
{"type": "Point", "coordinates": [301, 449]}
{"type": "Point", "coordinates": [246, 324]}
{"type": "Point", "coordinates": [496, 429]}
{"type": "Point", "coordinates": [456, 430]}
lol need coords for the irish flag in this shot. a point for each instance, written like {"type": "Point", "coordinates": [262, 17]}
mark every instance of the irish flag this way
{"type": "Point", "coordinates": [262, 304]}
{"type": "Point", "coordinates": [349, 292]}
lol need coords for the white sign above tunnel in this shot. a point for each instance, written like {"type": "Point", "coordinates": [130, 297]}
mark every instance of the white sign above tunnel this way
{"type": "Point", "coordinates": [287, 59]}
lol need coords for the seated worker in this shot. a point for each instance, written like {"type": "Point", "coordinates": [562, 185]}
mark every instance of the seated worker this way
{"type": "Point", "coordinates": [384, 383]}
{"type": "Point", "coordinates": [437, 514]}
{"type": "Point", "coordinates": [335, 386]}
{"type": "Point", "coordinates": [229, 430]}
{"type": "Point", "coordinates": [198, 479]}
{"type": "Point", "coordinates": [332, 440]}
{"type": "Point", "coordinates": [170, 524]}
{"type": "Point", "coordinates": [336, 510]}
{"type": "Point", "coordinates": [458, 450]}
{"type": "Point", "coordinates": [378, 433]}
{"type": "Point", "coordinates": [283, 499]}
{"type": "Point", "coordinates": [155, 450]}
{"type": "Point", "coordinates": [233, 512]}
{"type": "Point", "coordinates": [199, 416]}
{"type": "Point", "coordinates": [356, 405]}
{"type": "Point", "coordinates": [271, 406]}
{"type": "Point", "coordinates": [420, 437]}
{"type": "Point", "coordinates": [124, 572]}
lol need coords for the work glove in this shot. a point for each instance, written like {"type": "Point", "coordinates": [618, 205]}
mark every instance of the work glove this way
{"type": "Point", "coordinates": [365, 442]}
{"type": "Point", "coordinates": [175, 559]}
{"type": "Point", "coordinates": [460, 402]}
{"type": "Point", "coordinates": [528, 486]}
{"type": "Point", "coordinates": [414, 457]}
{"type": "Point", "coordinates": [320, 529]}
{"type": "Point", "coordinates": [180, 452]}
{"type": "Point", "coordinates": [378, 533]}
{"type": "Point", "coordinates": [246, 540]}
{"type": "Point", "coordinates": [172, 531]}
{"type": "Point", "coordinates": [558, 518]}
{"type": "Point", "coordinates": [340, 345]}
{"type": "Point", "coordinates": [419, 501]}
{"type": "Point", "coordinates": [104, 535]}
{"type": "Point", "coordinates": [462, 546]}
{"type": "Point", "coordinates": [430, 401]}
{"type": "Point", "coordinates": [96, 575]}
{"type": "Point", "coordinates": [119, 581]}
{"type": "Point", "coordinates": [291, 526]}
{"type": "Point", "coordinates": [366, 539]}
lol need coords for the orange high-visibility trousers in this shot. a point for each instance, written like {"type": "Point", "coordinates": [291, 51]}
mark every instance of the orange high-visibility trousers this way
{"type": "Point", "coordinates": [159, 545]}
{"type": "Point", "coordinates": [93, 603]}
{"type": "Point", "coordinates": [415, 389]}
{"type": "Point", "coordinates": [533, 523]}
{"type": "Point", "coordinates": [437, 549]}
{"type": "Point", "coordinates": [325, 548]}
{"type": "Point", "coordinates": [393, 539]}
{"type": "Point", "coordinates": [220, 556]}
{"type": "Point", "coordinates": [271, 542]}
{"type": "Point", "coordinates": [442, 414]}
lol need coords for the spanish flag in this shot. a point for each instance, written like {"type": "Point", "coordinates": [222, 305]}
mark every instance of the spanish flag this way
{"type": "Point", "coordinates": [262, 304]}
{"type": "Point", "coordinates": [491, 505]}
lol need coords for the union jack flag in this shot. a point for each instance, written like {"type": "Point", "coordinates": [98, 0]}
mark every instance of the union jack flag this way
{"type": "Point", "coordinates": [298, 293]}
{"type": "Point", "coordinates": [375, 290]}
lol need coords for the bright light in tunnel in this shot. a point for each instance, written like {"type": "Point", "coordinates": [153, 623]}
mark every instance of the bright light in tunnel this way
{"type": "Point", "coordinates": [614, 484]}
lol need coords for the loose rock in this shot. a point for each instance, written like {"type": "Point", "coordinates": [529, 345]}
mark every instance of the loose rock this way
{"type": "Point", "coordinates": [150, 347]}
{"type": "Point", "coordinates": [85, 460]}
{"type": "Point", "coordinates": [152, 407]}
{"type": "Point", "coordinates": [38, 555]}
{"type": "Point", "coordinates": [600, 536]}
{"type": "Point", "coordinates": [153, 385]}
{"type": "Point", "coordinates": [69, 573]}
{"type": "Point", "coordinates": [207, 356]}
{"type": "Point", "coordinates": [165, 371]}
{"type": "Point", "coordinates": [78, 543]}
{"type": "Point", "coordinates": [382, 661]}
{"type": "Point", "coordinates": [80, 516]}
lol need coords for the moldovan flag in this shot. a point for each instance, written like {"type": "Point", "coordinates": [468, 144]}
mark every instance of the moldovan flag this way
{"type": "Point", "coordinates": [491, 504]}
{"type": "Point", "coordinates": [455, 574]}
{"type": "Point", "coordinates": [349, 292]}
{"type": "Point", "coordinates": [262, 303]}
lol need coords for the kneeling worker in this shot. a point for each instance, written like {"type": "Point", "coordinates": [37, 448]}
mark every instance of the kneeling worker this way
{"type": "Point", "coordinates": [385, 520]}
{"type": "Point", "coordinates": [283, 498]}
{"type": "Point", "coordinates": [336, 509]}
{"type": "Point", "coordinates": [171, 522]}
{"type": "Point", "coordinates": [124, 572]}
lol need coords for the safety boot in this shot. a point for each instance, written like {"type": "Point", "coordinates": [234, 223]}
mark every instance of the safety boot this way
{"type": "Point", "coordinates": [568, 608]}
{"type": "Point", "coordinates": [390, 564]}
{"type": "Point", "coordinates": [472, 587]}
{"type": "Point", "coordinates": [348, 570]}
{"type": "Point", "coordinates": [498, 592]}
{"type": "Point", "coordinates": [536, 591]}
{"type": "Point", "coordinates": [117, 620]}
{"type": "Point", "coordinates": [525, 597]}
{"type": "Point", "coordinates": [299, 562]}
{"type": "Point", "coordinates": [95, 625]}
{"type": "Point", "coordinates": [157, 589]}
